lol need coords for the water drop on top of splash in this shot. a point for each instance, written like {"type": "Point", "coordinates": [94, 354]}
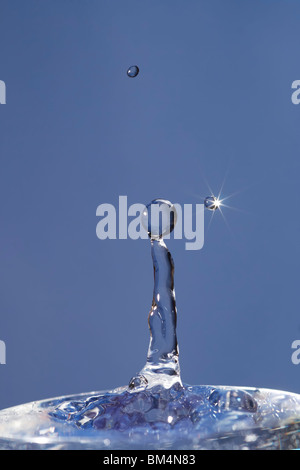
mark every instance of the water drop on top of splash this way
{"type": "Point", "coordinates": [159, 218]}
{"type": "Point", "coordinates": [133, 71]}
{"type": "Point", "coordinates": [212, 203]}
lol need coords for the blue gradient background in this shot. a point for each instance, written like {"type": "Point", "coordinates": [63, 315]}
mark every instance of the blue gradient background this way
{"type": "Point", "coordinates": [213, 97]}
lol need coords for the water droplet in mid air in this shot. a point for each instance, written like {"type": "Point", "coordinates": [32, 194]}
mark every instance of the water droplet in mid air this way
{"type": "Point", "coordinates": [159, 218]}
{"type": "Point", "coordinates": [133, 71]}
{"type": "Point", "coordinates": [212, 203]}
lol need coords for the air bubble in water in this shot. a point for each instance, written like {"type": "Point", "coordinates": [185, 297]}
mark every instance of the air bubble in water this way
{"type": "Point", "coordinates": [133, 71]}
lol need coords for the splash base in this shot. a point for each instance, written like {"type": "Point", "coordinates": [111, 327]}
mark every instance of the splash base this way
{"type": "Point", "coordinates": [188, 418]}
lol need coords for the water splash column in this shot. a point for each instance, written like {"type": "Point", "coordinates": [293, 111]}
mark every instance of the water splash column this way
{"type": "Point", "coordinates": [162, 366]}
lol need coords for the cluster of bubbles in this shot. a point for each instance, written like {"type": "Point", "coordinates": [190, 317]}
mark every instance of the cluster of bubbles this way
{"type": "Point", "coordinates": [156, 409]}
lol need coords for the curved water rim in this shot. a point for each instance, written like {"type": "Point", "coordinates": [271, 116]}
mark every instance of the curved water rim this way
{"type": "Point", "coordinates": [276, 425]}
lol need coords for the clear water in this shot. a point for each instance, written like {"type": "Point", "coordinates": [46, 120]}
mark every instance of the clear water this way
{"type": "Point", "coordinates": [204, 417]}
{"type": "Point", "coordinates": [155, 410]}
{"type": "Point", "coordinates": [159, 218]}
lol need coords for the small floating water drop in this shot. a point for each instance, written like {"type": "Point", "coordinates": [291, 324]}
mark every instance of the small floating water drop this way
{"type": "Point", "coordinates": [212, 203]}
{"type": "Point", "coordinates": [133, 71]}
